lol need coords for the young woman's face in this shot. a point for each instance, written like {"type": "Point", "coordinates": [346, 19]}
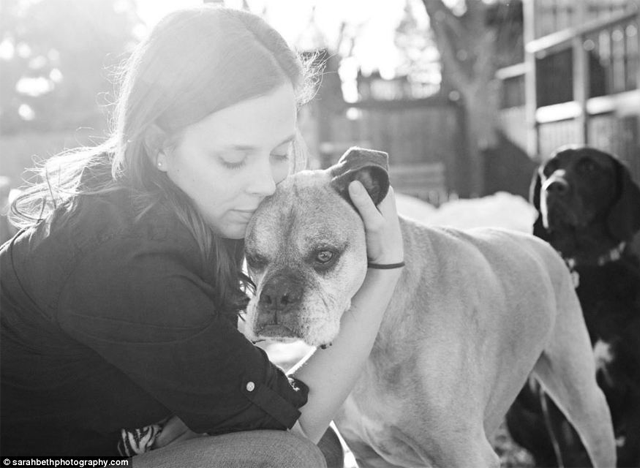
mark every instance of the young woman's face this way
{"type": "Point", "coordinates": [231, 160]}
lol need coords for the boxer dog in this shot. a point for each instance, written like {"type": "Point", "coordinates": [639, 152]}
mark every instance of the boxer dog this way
{"type": "Point", "coordinates": [473, 314]}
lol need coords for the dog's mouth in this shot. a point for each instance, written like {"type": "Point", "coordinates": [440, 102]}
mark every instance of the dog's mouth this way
{"type": "Point", "coordinates": [556, 220]}
{"type": "Point", "coordinates": [559, 216]}
{"type": "Point", "coordinates": [276, 331]}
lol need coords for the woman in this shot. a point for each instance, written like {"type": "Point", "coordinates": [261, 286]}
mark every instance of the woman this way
{"type": "Point", "coordinates": [120, 296]}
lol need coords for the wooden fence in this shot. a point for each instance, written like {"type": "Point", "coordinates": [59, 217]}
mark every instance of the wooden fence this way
{"type": "Point", "coordinates": [424, 138]}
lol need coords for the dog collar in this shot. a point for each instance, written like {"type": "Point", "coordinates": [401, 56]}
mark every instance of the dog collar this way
{"type": "Point", "coordinates": [612, 256]}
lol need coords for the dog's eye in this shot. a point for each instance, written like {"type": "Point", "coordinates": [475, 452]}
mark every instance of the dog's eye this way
{"type": "Point", "coordinates": [255, 261]}
{"type": "Point", "coordinates": [324, 256]}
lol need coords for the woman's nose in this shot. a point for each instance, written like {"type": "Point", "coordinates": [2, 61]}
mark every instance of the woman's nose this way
{"type": "Point", "coordinates": [262, 183]}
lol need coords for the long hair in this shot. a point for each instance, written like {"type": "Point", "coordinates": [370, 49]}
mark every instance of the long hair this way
{"type": "Point", "coordinates": [195, 61]}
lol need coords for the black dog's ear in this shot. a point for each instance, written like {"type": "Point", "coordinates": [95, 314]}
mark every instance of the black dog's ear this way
{"type": "Point", "coordinates": [369, 167]}
{"type": "Point", "coordinates": [534, 198]}
{"type": "Point", "coordinates": [623, 220]}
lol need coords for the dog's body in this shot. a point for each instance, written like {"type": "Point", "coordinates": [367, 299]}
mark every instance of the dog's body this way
{"type": "Point", "coordinates": [589, 212]}
{"type": "Point", "coordinates": [452, 353]}
{"type": "Point", "coordinates": [462, 332]}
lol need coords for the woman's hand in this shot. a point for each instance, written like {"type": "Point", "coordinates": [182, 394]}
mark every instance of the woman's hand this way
{"type": "Point", "coordinates": [174, 430]}
{"type": "Point", "coordinates": [384, 238]}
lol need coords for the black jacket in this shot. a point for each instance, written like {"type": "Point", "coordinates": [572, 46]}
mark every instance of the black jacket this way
{"type": "Point", "coordinates": [109, 323]}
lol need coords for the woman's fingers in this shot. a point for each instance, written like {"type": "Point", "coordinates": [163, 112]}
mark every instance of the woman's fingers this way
{"type": "Point", "coordinates": [370, 215]}
{"type": "Point", "coordinates": [174, 430]}
{"type": "Point", "coordinates": [382, 228]}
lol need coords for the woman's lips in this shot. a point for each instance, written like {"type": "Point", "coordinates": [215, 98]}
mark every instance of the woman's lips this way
{"type": "Point", "coordinates": [244, 214]}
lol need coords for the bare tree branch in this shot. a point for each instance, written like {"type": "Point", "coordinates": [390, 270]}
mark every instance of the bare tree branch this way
{"type": "Point", "coordinates": [485, 62]}
{"type": "Point", "coordinates": [449, 54]}
{"type": "Point", "coordinates": [438, 11]}
{"type": "Point", "coordinates": [467, 48]}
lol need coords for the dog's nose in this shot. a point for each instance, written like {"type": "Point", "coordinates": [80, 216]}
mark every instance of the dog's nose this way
{"type": "Point", "coordinates": [281, 294]}
{"type": "Point", "coordinates": [557, 187]}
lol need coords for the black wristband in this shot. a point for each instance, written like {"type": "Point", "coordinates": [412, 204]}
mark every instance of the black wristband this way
{"type": "Point", "coordinates": [388, 266]}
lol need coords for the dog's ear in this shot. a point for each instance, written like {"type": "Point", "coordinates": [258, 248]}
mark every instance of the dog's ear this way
{"type": "Point", "coordinates": [623, 219]}
{"type": "Point", "coordinates": [534, 198]}
{"type": "Point", "coordinates": [369, 167]}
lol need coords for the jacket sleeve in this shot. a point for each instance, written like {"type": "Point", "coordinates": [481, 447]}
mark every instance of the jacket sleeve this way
{"type": "Point", "coordinates": [142, 306]}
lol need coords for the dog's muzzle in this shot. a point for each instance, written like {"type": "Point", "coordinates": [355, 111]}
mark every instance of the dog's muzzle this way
{"type": "Point", "coordinates": [279, 301]}
{"type": "Point", "coordinates": [557, 204]}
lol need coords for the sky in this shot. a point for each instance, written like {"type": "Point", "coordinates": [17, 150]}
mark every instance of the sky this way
{"type": "Point", "coordinates": [375, 20]}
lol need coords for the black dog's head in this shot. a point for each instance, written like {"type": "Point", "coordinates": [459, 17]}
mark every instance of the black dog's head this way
{"type": "Point", "coordinates": [586, 200]}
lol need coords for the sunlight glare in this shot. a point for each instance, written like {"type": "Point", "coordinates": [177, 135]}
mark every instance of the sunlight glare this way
{"type": "Point", "coordinates": [152, 11]}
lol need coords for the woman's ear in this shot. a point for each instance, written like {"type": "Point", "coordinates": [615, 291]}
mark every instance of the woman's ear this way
{"type": "Point", "coordinates": [154, 141]}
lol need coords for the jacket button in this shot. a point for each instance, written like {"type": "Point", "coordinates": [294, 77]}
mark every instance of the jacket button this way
{"type": "Point", "coordinates": [251, 386]}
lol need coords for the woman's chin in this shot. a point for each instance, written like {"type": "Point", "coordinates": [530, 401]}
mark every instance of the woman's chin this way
{"type": "Point", "coordinates": [232, 231]}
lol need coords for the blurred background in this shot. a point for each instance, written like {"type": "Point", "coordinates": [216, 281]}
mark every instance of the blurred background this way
{"type": "Point", "coordinates": [467, 96]}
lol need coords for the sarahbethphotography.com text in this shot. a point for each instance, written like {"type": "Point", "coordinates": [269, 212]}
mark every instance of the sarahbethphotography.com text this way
{"type": "Point", "coordinates": [67, 461]}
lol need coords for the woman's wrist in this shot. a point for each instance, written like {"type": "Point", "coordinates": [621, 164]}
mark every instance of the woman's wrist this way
{"type": "Point", "coordinates": [388, 258]}
{"type": "Point", "coordinates": [376, 292]}
{"type": "Point", "coordinates": [385, 266]}
{"type": "Point", "coordinates": [385, 276]}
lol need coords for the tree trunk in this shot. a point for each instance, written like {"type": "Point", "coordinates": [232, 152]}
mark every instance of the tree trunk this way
{"type": "Point", "coordinates": [467, 47]}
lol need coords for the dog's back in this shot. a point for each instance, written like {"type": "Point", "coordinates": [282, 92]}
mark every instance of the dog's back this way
{"type": "Point", "coordinates": [472, 283]}
{"type": "Point", "coordinates": [465, 327]}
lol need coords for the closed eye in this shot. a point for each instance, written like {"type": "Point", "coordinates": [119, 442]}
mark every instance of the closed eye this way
{"type": "Point", "coordinates": [280, 157]}
{"type": "Point", "coordinates": [233, 159]}
{"type": "Point", "coordinates": [282, 152]}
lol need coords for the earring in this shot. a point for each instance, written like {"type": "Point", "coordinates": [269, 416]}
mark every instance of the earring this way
{"type": "Point", "coordinates": [159, 164]}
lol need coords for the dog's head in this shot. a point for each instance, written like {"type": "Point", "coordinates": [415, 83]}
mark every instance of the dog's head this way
{"type": "Point", "coordinates": [306, 252]}
{"type": "Point", "coordinates": [580, 189]}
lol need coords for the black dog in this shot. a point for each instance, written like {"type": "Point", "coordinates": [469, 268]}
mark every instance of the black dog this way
{"type": "Point", "coordinates": [589, 211]}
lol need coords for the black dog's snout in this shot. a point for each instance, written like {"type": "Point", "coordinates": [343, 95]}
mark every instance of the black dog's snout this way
{"type": "Point", "coordinates": [281, 293]}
